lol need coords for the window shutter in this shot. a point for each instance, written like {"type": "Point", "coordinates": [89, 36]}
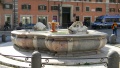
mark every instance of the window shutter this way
{"type": "Point", "coordinates": [57, 7]}
{"type": "Point", "coordinates": [22, 7]}
{"type": "Point", "coordinates": [3, 6]}
{"type": "Point", "coordinates": [11, 6]}
{"type": "Point", "coordinates": [29, 6]}
{"type": "Point", "coordinates": [45, 7]}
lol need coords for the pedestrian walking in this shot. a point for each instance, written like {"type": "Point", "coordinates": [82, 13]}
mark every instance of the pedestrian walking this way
{"type": "Point", "coordinates": [114, 28]}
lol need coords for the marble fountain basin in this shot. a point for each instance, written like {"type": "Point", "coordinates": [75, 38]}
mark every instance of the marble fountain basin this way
{"type": "Point", "coordinates": [60, 41]}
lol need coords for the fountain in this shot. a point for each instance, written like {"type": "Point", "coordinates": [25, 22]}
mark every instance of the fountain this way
{"type": "Point", "coordinates": [77, 38]}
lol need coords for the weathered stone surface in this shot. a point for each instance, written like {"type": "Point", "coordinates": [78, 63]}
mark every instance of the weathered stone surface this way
{"type": "Point", "coordinates": [60, 41]}
{"type": "Point", "coordinates": [112, 39]}
{"type": "Point", "coordinates": [77, 28]}
{"type": "Point", "coordinates": [113, 59]}
{"type": "Point", "coordinates": [39, 26]}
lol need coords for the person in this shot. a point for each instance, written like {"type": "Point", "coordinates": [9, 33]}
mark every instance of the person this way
{"type": "Point", "coordinates": [20, 24]}
{"type": "Point", "coordinates": [6, 26]}
{"type": "Point", "coordinates": [19, 27]}
{"type": "Point", "coordinates": [114, 28]}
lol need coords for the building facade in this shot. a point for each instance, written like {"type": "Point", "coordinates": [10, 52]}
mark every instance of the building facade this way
{"type": "Point", "coordinates": [65, 11]}
{"type": "Point", "coordinates": [62, 11]}
{"type": "Point", "coordinates": [6, 13]}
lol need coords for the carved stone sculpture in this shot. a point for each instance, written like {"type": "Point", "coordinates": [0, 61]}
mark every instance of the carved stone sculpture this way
{"type": "Point", "coordinates": [77, 28]}
{"type": "Point", "coordinates": [39, 26]}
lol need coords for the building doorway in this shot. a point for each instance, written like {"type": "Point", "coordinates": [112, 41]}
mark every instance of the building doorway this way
{"type": "Point", "coordinates": [8, 19]}
{"type": "Point", "coordinates": [87, 21]}
{"type": "Point", "coordinates": [66, 17]}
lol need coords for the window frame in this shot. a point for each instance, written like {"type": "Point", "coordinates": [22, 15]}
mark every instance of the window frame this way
{"type": "Point", "coordinates": [26, 7]}
{"type": "Point", "coordinates": [7, 4]}
{"type": "Point", "coordinates": [98, 9]}
{"type": "Point", "coordinates": [112, 1]}
{"type": "Point", "coordinates": [88, 8]}
{"type": "Point", "coordinates": [77, 8]}
{"type": "Point", "coordinates": [111, 9]}
{"type": "Point", "coordinates": [54, 7]}
{"type": "Point", "coordinates": [99, 0]}
{"type": "Point", "coordinates": [44, 7]}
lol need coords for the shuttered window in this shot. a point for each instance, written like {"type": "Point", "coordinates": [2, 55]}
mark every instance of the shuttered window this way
{"type": "Point", "coordinates": [98, 9]}
{"type": "Point", "coordinates": [7, 6]}
{"type": "Point", "coordinates": [54, 7]}
{"type": "Point", "coordinates": [42, 7]}
{"type": "Point", "coordinates": [26, 7]}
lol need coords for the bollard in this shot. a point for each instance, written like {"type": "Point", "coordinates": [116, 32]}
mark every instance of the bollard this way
{"type": "Point", "coordinates": [36, 60]}
{"type": "Point", "coordinates": [113, 59]}
{"type": "Point", "coordinates": [112, 39]}
{"type": "Point", "coordinates": [3, 38]}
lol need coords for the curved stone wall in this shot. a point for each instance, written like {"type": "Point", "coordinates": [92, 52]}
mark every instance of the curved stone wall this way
{"type": "Point", "coordinates": [60, 41]}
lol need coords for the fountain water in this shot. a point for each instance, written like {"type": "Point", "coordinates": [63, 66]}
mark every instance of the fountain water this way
{"type": "Point", "coordinates": [77, 38]}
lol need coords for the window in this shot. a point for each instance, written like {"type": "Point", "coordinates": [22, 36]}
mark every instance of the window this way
{"type": "Point", "coordinates": [99, 0]}
{"type": "Point", "coordinates": [55, 18]}
{"type": "Point", "coordinates": [26, 19]}
{"type": "Point", "coordinates": [54, 7]}
{"type": "Point", "coordinates": [87, 9]}
{"type": "Point", "coordinates": [42, 7]}
{"type": "Point", "coordinates": [112, 9]}
{"type": "Point", "coordinates": [26, 7]}
{"type": "Point", "coordinates": [43, 19]}
{"type": "Point", "coordinates": [77, 18]}
{"type": "Point", "coordinates": [112, 1]}
{"type": "Point", "coordinates": [112, 19]}
{"type": "Point", "coordinates": [77, 8]}
{"type": "Point", "coordinates": [88, 0]}
{"type": "Point", "coordinates": [77, 0]}
{"type": "Point", "coordinates": [8, 6]}
{"type": "Point", "coordinates": [98, 9]}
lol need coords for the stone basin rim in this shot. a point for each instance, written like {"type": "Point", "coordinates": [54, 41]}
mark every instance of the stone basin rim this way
{"type": "Point", "coordinates": [93, 33]}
